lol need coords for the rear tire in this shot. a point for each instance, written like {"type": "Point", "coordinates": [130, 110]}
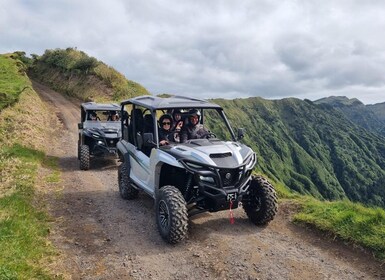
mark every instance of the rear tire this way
{"type": "Point", "coordinates": [171, 215]}
{"type": "Point", "coordinates": [84, 157]}
{"type": "Point", "coordinates": [261, 202]}
{"type": "Point", "coordinates": [126, 190]}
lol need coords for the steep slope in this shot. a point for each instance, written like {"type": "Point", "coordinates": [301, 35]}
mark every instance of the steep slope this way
{"type": "Point", "coordinates": [378, 110]}
{"type": "Point", "coordinates": [371, 117]}
{"type": "Point", "coordinates": [74, 73]}
{"type": "Point", "coordinates": [13, 79]}
{"type": "Point", "coordinates": [313, 149]}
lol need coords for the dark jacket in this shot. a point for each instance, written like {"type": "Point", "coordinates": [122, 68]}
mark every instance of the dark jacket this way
{"type": "Point", "coordinates": [167, 135]}
{"type": "Point", "coordinates": [192, 132]}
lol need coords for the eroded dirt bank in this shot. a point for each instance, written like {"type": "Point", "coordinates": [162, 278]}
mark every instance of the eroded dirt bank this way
{"type": "Point", "coordinates": [101, 236]}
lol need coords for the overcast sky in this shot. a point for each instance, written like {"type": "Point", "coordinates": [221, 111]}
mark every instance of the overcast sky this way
{"type": "Point", "coordinates": [225, 49]}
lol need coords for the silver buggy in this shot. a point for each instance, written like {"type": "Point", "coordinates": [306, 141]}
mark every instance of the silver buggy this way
{"type": "Point", "coordinates": [210, 173]}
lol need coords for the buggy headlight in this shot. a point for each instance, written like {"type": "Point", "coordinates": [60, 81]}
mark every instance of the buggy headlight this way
{"type": "Point", "coordinates": [100, 142]}
{"type": "Point", "coordinates": [250, 161]}
{"type": "Point", "coordinates": [207, 179]}
{"type": "Point", "coordinates": [192, 165]}
{"type": "Point", "coordinates": [95, 136]}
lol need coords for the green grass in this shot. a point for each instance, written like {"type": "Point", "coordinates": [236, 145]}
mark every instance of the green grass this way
{"type": "Point", "coordinates": [22, 232]}
{"type": "Point", "coordinates": [350, 221]}
{"type": "Point", "coordinates": [24, 223]}
{"type": "Point", "coordinates": [12, 81]}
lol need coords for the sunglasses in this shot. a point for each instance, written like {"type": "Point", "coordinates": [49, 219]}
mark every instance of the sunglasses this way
{"type": "Point", "coordinates": [166, 123]}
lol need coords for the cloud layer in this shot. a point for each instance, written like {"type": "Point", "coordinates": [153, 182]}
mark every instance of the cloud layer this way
{"type": "Point", "coordinates": [273, 49]}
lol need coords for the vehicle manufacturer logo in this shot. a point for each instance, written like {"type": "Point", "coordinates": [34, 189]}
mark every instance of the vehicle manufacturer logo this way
{"type": "Point", "coordinates": [228, 176]}
{"type": "Point", "coordinates": [231, 196]}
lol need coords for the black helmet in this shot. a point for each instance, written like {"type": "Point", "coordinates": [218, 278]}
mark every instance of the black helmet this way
{"type": "Point", "coordinates": [194, 112]}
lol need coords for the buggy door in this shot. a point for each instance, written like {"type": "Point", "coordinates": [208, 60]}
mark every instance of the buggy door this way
{"type": "Point", "coordinates": [140, 162]}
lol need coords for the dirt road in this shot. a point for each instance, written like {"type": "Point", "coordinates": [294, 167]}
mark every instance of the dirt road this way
{"type": "Point", "coordinates": [101, 236]}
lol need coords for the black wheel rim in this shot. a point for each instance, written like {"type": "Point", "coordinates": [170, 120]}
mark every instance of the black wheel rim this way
{"type": "Point", "coordinates": [164, 215]}
{"type": "Point", "coordinates": [253, 202]}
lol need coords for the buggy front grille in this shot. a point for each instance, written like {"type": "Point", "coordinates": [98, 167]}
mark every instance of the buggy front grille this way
{"type": "Point", "coordinates": [229, 176]}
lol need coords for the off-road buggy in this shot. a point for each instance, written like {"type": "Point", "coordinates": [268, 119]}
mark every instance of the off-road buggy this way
{"type": "Point", "coordinates": [209, 174]}
{"type": "Point", "coordinates": [99, 131]}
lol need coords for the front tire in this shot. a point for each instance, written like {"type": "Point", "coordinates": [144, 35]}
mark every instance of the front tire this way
{"type": "Point", "coordinates": [84, 157]}
{"type": "Point", "coordinates": [261, 202]}
{"type": "Point", "coordinates": [171, 215]}
{"type": "Point", "coordinates": [126, 190]}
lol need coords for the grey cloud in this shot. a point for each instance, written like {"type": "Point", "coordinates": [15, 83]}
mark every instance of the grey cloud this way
{"type": "Point", "coordinates": [215, 48]}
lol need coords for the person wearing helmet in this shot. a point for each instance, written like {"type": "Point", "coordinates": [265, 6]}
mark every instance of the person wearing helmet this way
{"type": "Point", "coordinates": [113, 116]}
{"type": "Point", "coordinates": [166, 135]}
{"type": "Point", "coordinates": [93, 116]}
{"type": "Point", "coordinates": [193, 129]}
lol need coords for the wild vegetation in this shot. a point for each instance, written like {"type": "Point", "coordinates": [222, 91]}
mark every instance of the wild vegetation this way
{"type": "Point", "coordinates": [76, 74]}
{"type": "Point", "coordinates": [24, 223]}
{"type": "Point", "coordinates": [346, 220]}
{"type": "Point", "coordinates": [13, 78]}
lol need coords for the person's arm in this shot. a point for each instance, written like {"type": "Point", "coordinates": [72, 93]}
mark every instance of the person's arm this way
{"type": "Point", "coordinates": [162, 138]}
{"type": "Point", "coordinates": [183, 135]}
{"type": "Point", "coordinates": [202, 132]}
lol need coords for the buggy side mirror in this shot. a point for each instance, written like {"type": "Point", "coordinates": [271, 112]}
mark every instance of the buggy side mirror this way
{"type": "Point", "coordinates": [80, 125]}
{"type": "Point", "coordinates": [241, 133]}
{"type": "Point", "coordinates": [148, 140]}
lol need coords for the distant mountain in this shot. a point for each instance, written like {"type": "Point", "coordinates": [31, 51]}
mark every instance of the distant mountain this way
{"type": "Point", "coordinates": [378, 110]}
{"type": "Point", "coordinates": [312, 148]}
{"type": "Point", "coordinates": [371, 117]}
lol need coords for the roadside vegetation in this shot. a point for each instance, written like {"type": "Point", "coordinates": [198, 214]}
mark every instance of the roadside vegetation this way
{"type": "Point", "coordinates": [25, 252]}
{"type": "Point", "coordinates": [346, 220]}
{"type": "Point", "coordinates": [13, 78]}
{"type": "Point", "coordinates": [76, 74]}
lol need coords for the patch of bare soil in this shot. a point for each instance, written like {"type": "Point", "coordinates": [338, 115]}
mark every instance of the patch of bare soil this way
{"type": "Point", "coordinates": [101, 236]}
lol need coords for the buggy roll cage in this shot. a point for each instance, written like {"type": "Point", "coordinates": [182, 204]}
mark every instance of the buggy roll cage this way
{"type": "Point", "coordinates": [154, 103]}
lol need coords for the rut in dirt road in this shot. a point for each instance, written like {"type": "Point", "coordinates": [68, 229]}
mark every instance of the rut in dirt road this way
{"type": "Point", "coordinates": [101, 236]}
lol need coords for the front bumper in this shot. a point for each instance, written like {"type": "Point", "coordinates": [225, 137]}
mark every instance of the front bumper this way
{"type": "Point", "coordinates": [104, 148]}
{"type": "Point", "coordinates": [220, 186]}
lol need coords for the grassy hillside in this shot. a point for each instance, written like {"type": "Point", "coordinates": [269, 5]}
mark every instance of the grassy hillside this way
{"type": "Point", "coordinates": [379, 111]}
{"type": "Point", "coordinates": [24, 224]}
{"type": "Point", "coordinates": [371, 117]}
{"type": "Point", "coordinates": [346, 220]}
{"type": "Point", "coordinates": [76, 74]}
{"type": "Point", "coordinates": [312, 149]}
{"type": "Point", "coordinates": [13, 79]}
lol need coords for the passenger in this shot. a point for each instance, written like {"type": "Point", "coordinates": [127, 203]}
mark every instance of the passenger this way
{"type": "Point", "coordinates": [94, 117]}
{"type": "Point", "coordinates": [166, 135]}
{"type": "Point", "coordinates": [177, 130]}
{"type": "Point", "coordinates": [193, 129]}
{"type": "Point", "coordinates": [115, 117]}
{"type": "Point", "coordinates": [177, 116]}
